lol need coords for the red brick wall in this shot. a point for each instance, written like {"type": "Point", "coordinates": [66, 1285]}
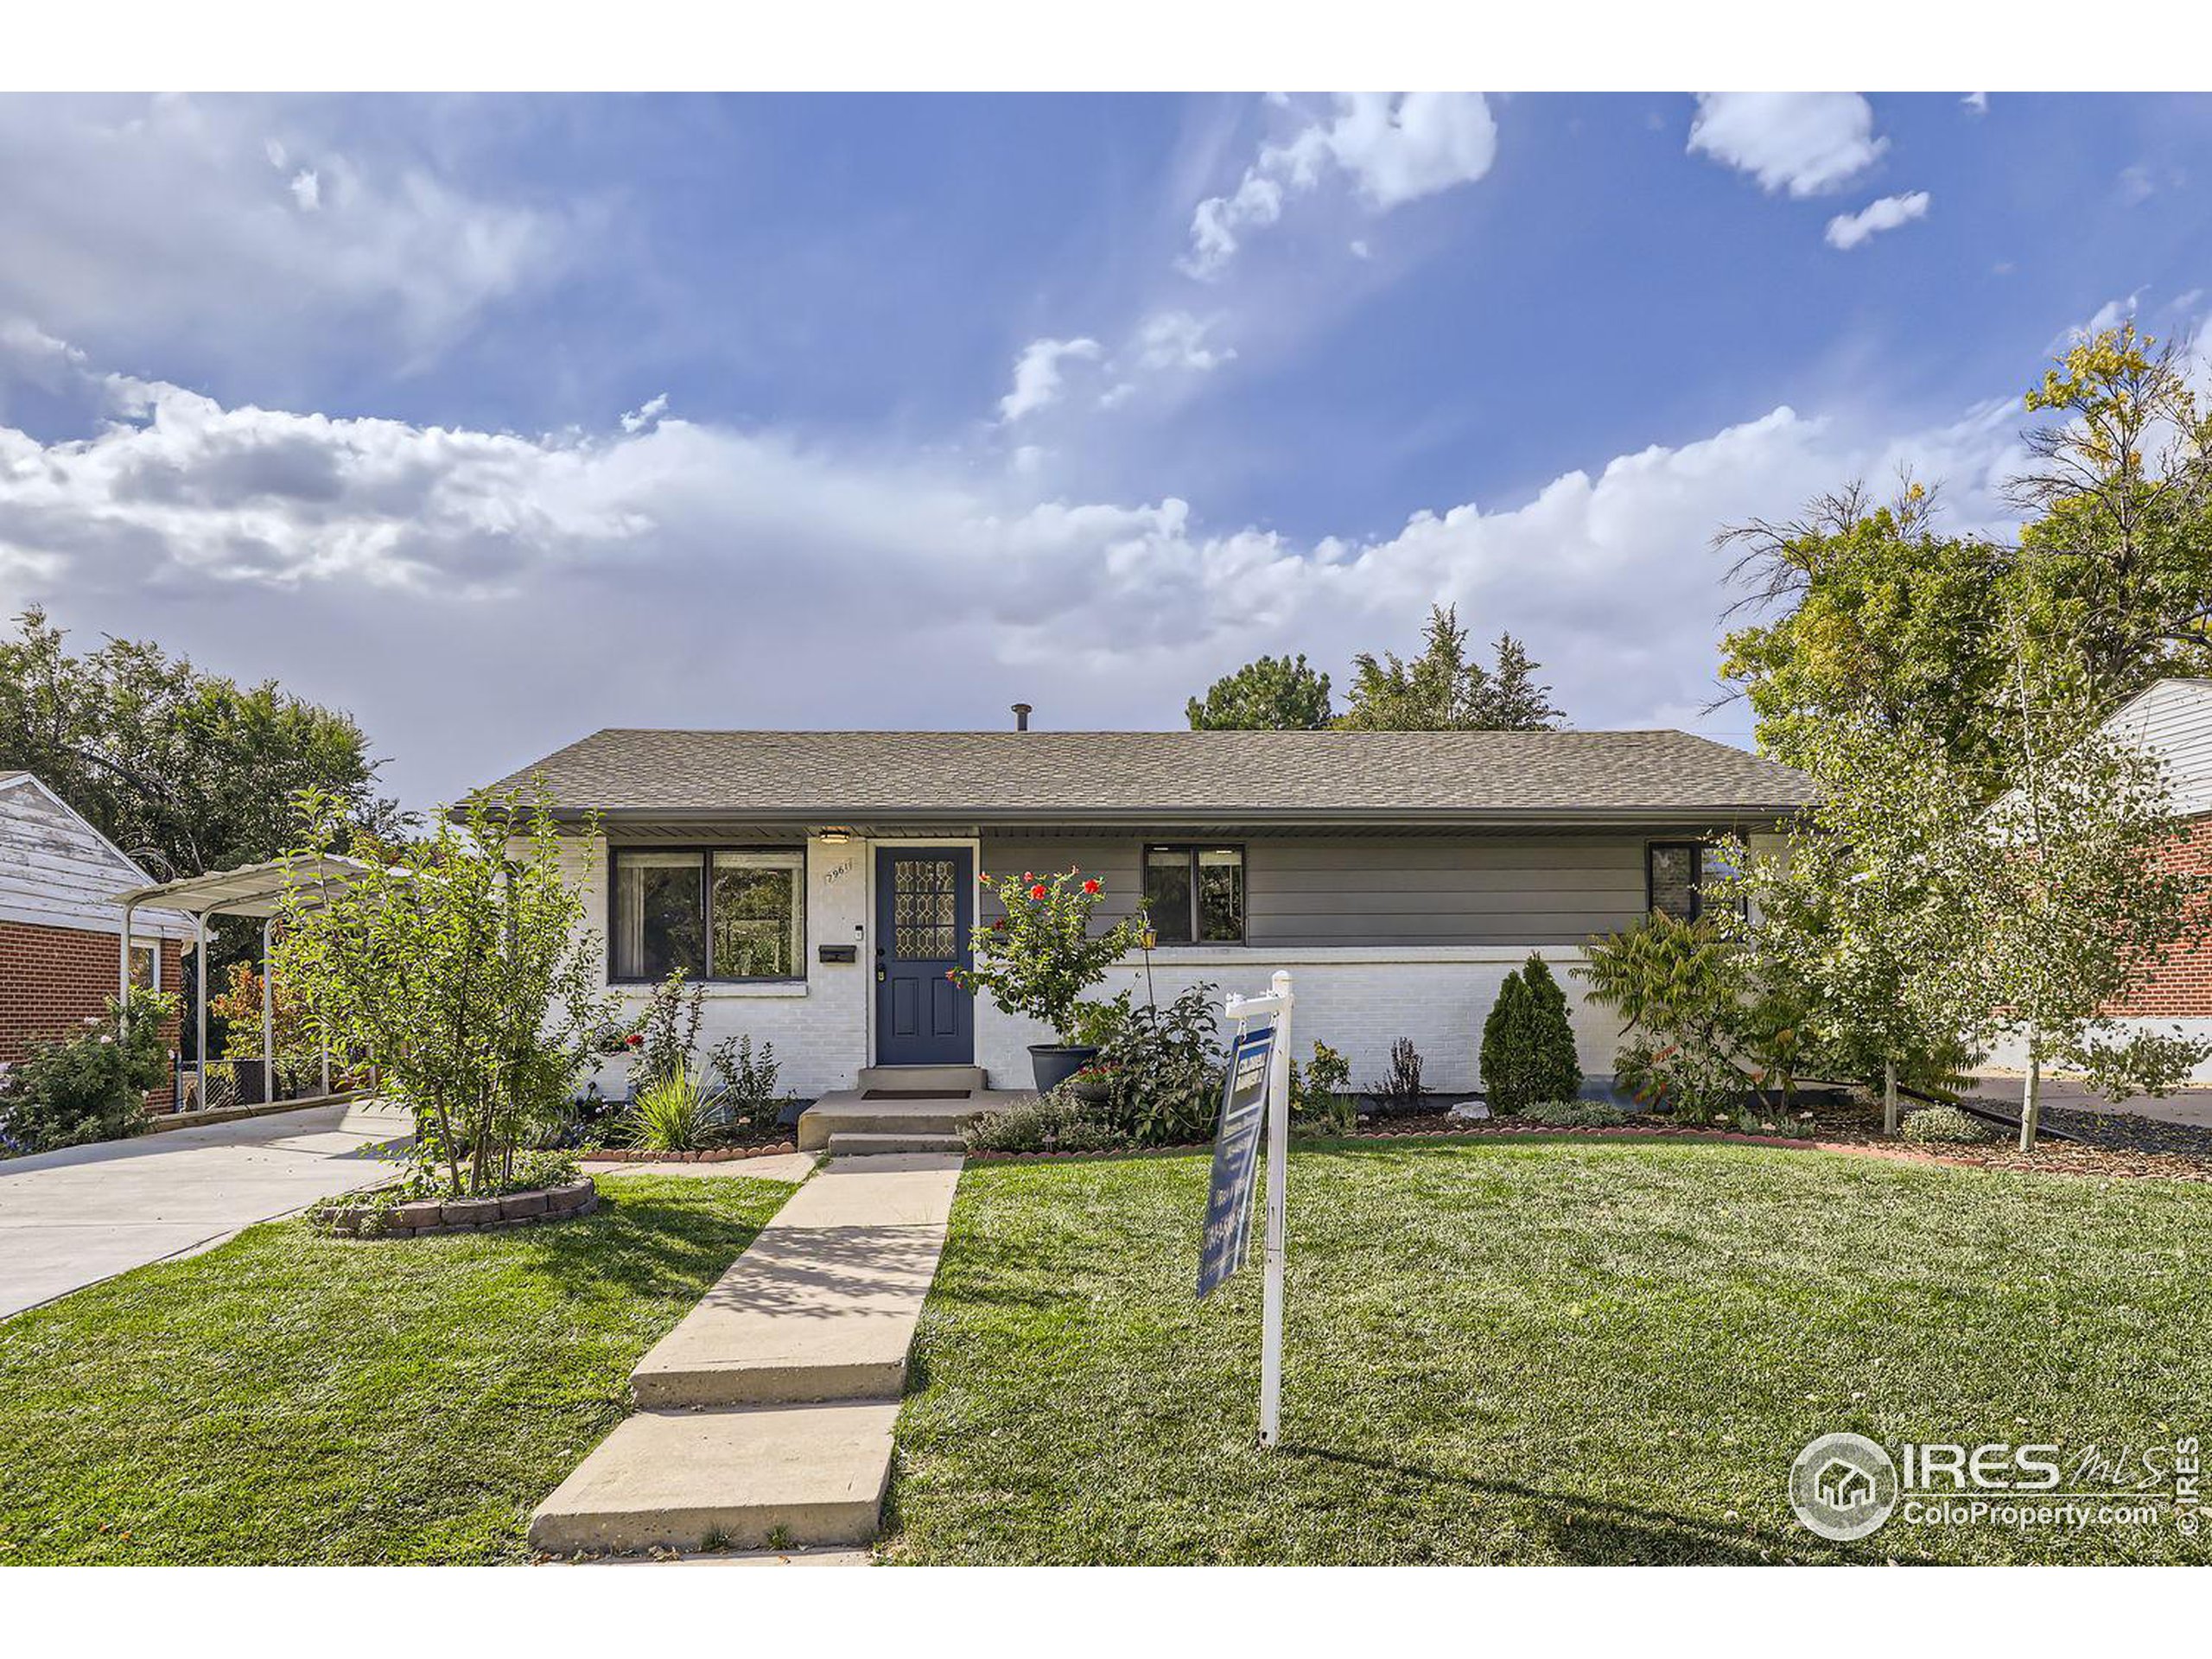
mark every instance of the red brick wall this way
{"type": "Point", "coordinates": [54, 978]}
{"type": "Point", "coordinates": [2179, 985]}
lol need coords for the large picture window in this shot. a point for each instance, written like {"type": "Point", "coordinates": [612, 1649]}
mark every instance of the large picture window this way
{"type": "Point", "coordinates": [1675, 873]}
{"type": "Point", "coordinates": [726, 913]}
{"type": "Point", "coordinates": [1195, 895]}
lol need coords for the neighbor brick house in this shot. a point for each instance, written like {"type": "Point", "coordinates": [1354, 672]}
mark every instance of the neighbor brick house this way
{"type": "Point", "coordinates": [60, 927]}
{"type": "Point", "coordinates": [820, 884]}
{"type": "Point", "coordinates": [2173, 720]}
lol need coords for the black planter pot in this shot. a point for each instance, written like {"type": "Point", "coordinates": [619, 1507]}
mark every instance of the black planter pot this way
{"type": "Point", "coordinates": [1053, 1063]}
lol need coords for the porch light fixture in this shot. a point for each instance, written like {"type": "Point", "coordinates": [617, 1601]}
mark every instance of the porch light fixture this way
{"type": "Point", "coordinates": [834, 835]}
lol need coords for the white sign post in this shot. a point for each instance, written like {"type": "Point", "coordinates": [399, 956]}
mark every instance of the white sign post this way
{"type": "Point", "coordinates": [1274, 1007]}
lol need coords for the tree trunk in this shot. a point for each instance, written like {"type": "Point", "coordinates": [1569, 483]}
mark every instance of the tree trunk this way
{"type": "Point", "coordinates": [2031, 1101]}
{"type": "Point", "coordinates": [1888, 1096]}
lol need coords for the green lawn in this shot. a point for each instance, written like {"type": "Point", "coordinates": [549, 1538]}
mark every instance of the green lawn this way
{"type": "Point", "coordinates": [1556, 1351]}
{"type": "Point", "coordinates": [292, 1399]}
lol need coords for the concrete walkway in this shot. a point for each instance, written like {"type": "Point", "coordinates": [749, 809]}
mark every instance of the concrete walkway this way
{"type": "Point", "coordinates": [72, 1219]}
{"type": "Point", "coordinates": [2192, 1106]}
{"type": "Point", "coordinates": [765, 1416]}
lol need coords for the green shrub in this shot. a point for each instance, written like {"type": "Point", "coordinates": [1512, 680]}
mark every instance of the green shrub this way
{"type": "Point", "coordinates": [745, 1082]}
{"type": "Point", "coordinates": [1163, 1067]}
{"type": "Point", "coordinates": [1528, 1049]}
{"type": "Point", "coordinates": [1057, 1122]}
{"type": "Point", "coordinates": [1399, 1093]}
{"type": "Point", "coordinates": [677, 1114]}
{"type": "Point", "coordinates": [669, 1029]}
{"type": "Point", "coordinates": [91, 1086]}
{"type": "Point", "coordinates": [1946, 1126]}
{"type": "Point", "coordinates": [1321, 1101]}
{"type": "Point", "coordinates": [1574, 1115]}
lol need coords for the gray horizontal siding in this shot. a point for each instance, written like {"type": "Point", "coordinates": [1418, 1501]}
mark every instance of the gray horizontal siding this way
{"type": "Point", "coordinates": [1324, 890]}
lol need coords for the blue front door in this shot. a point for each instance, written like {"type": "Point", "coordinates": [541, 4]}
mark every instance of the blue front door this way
{"type": "Point", "coordinates": [924, 907]}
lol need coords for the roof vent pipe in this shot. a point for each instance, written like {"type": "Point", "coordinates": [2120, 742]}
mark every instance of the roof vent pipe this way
{"type": "Point", "coordinates": [1020, 716]}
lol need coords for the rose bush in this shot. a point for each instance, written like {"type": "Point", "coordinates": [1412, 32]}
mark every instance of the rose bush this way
{"type": "Point", "coordinates": [1042, 956]}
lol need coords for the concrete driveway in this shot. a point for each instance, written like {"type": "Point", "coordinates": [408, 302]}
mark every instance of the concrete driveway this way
{"type": "Point", "coordinates": [69, 1219]}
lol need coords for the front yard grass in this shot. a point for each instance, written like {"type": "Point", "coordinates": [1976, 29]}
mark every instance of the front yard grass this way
{"type": "Point", "coordinates": [1549, 1351]}
{"type": "Point", "coordinates": [287, 1398]}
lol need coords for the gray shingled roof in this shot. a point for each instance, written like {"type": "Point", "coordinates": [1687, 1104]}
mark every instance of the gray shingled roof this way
{"type": "Point", "coordinates": [1012, 776]}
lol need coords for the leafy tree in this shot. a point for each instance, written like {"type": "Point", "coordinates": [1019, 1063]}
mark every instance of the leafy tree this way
{"type": "Point", "coordinates": [1269, 694]}
{"type": "Point", "coordinates": [1865, 911]}
{"type": "Point", "coordinates": [1863, 610]}
{"type": "Point", "coordinates": [189, 771]}
{"type": "Point", "coordinates": [1440, 690]}
{"type": "Point", "coordinates": [1870, 618]}
{"type": "Point", "coordinates": [299, 1055]}
{"type": "Point", "coordinates": [461, 971]}
{"type": "Point", "coordinates": [2118, 545]}
{"type": "Point", "coordinates": [1528, 1049]}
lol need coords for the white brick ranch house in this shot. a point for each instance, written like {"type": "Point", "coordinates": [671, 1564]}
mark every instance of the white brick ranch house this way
{"type": "Point", "coordinates": [820, 883]}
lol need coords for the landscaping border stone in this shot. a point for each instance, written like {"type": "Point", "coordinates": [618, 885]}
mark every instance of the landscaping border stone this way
{"type": "Point", "coordinates": [712, 1156]}
{"type": "Point", "coordinates": [420, 1217]}
{"type": "Point", "coordinates": [2047, 1160]}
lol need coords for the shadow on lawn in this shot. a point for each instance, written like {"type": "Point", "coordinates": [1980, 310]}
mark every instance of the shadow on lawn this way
{"type": "Point", "coordinates": [1585, 1530]}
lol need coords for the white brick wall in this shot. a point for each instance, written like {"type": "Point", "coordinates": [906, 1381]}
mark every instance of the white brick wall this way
{"type": "Point", "coordinates": [819, 1028]}
{"type": "Point", "coordinates": [1357, 1000]}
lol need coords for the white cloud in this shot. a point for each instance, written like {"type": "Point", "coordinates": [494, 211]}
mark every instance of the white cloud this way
{"type": "Point", "coordinates": [1037, 378]}
{"type": "Point", "coordinates": [1847, 231]}
{"type": "Point", "coordinates": [135, 222]}
{"type": "Point", "coordinates": [478, 597]}
{"type": "Point", "coordinates": [1976, 103]}
{"type": "Point", "coordinates": [1803, 143]}
{"type": "Point", "coordinates": [1176, 340]}
{"type": "Point", "coordinates": [645, 414]}
{"type": "Point", "coordinates": [1393, 149]}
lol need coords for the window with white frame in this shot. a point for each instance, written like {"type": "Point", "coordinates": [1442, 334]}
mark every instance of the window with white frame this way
{"type": "Point", "coordinates": [145, 967]}
{"type": "Point", "coordinates": [717, 912]}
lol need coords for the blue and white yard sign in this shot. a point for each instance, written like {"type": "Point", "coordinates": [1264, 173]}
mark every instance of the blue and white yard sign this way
{"type": "Point", "coordinates": [1236, 1157]}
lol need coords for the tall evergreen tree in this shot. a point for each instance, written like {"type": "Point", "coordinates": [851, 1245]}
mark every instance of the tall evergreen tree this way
{"type": "Point", "coordinates": [1442, 691]}
{"type": "Point", "coordinates": [1269, 694]}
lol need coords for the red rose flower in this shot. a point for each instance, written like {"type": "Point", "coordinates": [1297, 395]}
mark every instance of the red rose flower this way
{"type": "Point", "coordinates": [1037, 892]}
{"type": "Point", "coordinates": [1092, 885]}
{"type": "Point", "coordinates": [999, 926]}
{"type": "Point", "coordinates": [635, 1040]}
{"type": "Point", "coordinates": [952, 974]}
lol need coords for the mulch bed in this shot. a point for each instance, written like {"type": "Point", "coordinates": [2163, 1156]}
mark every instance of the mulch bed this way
{"type": "Point", "coordinates": [1833, 1129]}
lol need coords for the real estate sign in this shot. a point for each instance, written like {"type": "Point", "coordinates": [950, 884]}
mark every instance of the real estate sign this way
{"type": "Point", "coordinates": [1237, 1157]}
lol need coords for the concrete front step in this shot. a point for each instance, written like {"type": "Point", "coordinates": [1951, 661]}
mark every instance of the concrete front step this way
{"type": "Point", "coordinates": [846, 1113]}
{"type": "Point", "coordinates": [876, 1146]}
{"type": "Point", "coordinates": [946, 1078]}
{"type": "Point", "coordinates": [737, 1479]}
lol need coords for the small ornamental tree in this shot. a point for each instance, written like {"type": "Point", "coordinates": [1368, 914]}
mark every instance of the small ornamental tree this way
{"type": "Point", "coordinates": [1528, 1052]}
{"type": "Point", "coordinates": [462, 972]}
{"type": "Point", "coordinates": [1864, 911]}
{"type": "Point", "coordinates": [239, 1008]}
{"type": "Point", "coordinates": [2068, 896]}
{"type": "Point", "coordinates": [1041, 955]}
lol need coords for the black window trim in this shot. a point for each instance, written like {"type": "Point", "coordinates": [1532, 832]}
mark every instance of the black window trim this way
{"type": "Point", "coordinates": [1697, 879]}
{"type": "Point", "coordinates": [704, 852]}
{"type": "Point", "coordinates": [1192, 850]}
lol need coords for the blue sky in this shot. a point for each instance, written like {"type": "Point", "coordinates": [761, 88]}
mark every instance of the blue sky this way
{"type": "Point", "coordinates": [498, 420]}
